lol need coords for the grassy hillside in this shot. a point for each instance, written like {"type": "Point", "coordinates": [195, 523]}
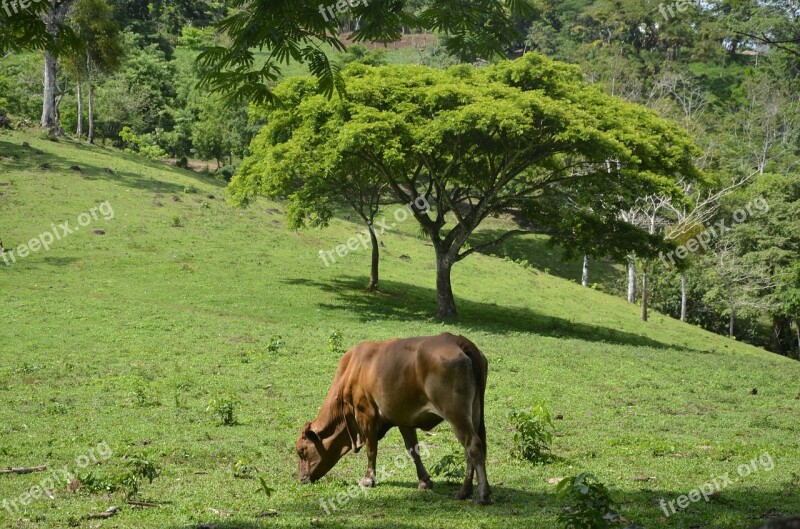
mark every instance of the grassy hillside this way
{"type": "Point", "coordinates": [124, 337]}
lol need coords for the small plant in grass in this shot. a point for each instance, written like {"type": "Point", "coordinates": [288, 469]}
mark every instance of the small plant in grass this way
{"type": "Point", "coordinates": [243, 469]}
{"type": "Point", "coordinates": [177, 222]}
{"type": "Point", "coordinates": [93, 484]}
{"type": "Point", "coordinates": [223, 405]}
{"type": "Point", "coordinates": [336, 342]}
{"type": "Point", "coordinates": [591, 505]}
{"type": "Point", "coordinates": [276, 343]}
{"type": "Point", "coordinates": [534, 430]}
{"type": "Point", "coordinates": [140, 468]}
{"type": "Point", "coordinates": [142, 399]}
{"type": "Point", "coordinates": [450, 466]}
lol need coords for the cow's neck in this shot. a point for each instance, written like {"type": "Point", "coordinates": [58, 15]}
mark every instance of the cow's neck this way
{"type": "Point", "coordinates": [336, 426]}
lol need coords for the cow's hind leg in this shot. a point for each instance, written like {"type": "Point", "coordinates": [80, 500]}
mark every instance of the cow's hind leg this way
{"type": "Point", "coordinates": [475, 450]}
{"type": "Point", "coordinates": [413, 449]}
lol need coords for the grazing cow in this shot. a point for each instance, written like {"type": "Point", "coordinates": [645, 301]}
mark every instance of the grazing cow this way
{"type": "Point", "coordinates": [411, 383]}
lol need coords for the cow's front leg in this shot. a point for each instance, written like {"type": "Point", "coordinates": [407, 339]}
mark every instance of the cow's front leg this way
{"type": "Point", "coordinates": [413, 449]}
{"type": "Point", "coordinates": [370, 479]}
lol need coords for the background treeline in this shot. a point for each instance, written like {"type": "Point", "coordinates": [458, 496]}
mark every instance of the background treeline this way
{"type": "Point", "coordinates": [727, 71]}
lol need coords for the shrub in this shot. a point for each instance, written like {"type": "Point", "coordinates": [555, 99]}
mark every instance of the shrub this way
{"type": "Point", "coordinates": [335, 342]}
{"type": "Point", "coordinates": [450, 466]}
{"type": "Point", "coordinates": [591, 505]}
{"type": "Point", "coordinates": [534, 433]}
{"type": "Point", "coordinates": [141, 468]}
{"type": "Point", "coordinates": [276, 343]}
{"type": "Point", "coordinates": [224, 407]}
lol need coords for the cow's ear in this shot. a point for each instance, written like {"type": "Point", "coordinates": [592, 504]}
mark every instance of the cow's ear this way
{"type": "Point", "coordinates": [310, 434]}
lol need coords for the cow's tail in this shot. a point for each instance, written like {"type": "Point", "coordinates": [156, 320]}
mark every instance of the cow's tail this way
{"type": "Point", "coordinates": [480, 367]}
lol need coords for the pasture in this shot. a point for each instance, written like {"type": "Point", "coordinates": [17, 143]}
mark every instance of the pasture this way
{"type": "Point", "coordinates": [124, 338]}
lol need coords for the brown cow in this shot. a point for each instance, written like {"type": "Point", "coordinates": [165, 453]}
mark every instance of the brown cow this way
{"type": "Point", "coordinates": [411, 383]}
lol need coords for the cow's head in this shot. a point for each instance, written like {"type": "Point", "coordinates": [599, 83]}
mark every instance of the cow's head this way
{"type": "Point", "coordinates": [316, 459]}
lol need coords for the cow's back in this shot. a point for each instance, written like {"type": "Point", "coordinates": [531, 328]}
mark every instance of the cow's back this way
{"type": "Point", "coordinates": [405, 382]}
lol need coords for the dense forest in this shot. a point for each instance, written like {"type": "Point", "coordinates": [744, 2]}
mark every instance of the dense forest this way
{"type": "Point", "coordinates": [727, 72]}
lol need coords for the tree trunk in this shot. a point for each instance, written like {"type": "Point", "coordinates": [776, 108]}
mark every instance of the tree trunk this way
{"type": "Point", "coordinates": [446, 304]}
{"type": "Point", "coordinates": [49, 118]}
{"type": "Point", "coordinates": [644, 294]}
{"type": "Point", "coordinates": [90, 137]}
{"type": "Point", "coordinates": [683, 296]}
{"type": "Point", "coordinates": [373, 274]}
{"type": "Point", "coordinates": [585, 275]}
{"type": "Point", "coordinates": [79, 130]}
{"type": "Point", "coordinates": [797, 332]}
{"type": "Point", "coordinates": [631, 279]}
{"type": "Point", "coordinates": [732, 306]}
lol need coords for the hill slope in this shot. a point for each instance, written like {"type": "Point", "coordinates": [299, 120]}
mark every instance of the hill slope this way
{"type": "Point", "coordinates": [124, 337]}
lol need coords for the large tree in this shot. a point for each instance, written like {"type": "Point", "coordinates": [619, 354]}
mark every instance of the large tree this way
{"type": "Point", "coordinates": [477, 142]}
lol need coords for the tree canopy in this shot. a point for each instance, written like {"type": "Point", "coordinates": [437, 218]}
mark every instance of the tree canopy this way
{"type": "Point", "coordinates": [300, 30]}
{"type": "Point", "coordinates": [475, 142]}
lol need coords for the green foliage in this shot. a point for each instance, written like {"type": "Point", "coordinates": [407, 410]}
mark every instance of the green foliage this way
{"type": "Point", "coordinates": [363, 55]}
{"type": "Point", "coordinates": [276, 343]}
{"type": "Point", "coordinates": [336, 342]}
{"type": "Point", "coordinates": [145, 144]}
{"type": "Point", "coordinates": [531, 121]}
{"type": "Point", "coordinates": [223, 406]}
{"type": "Point", "coordinates": [591, 505]}
{"type": "Point", "coordinates": [533, 433]}
{"type": "Point", "coordinates": [295, 32]}
{"type": "Point", "coordinates": [195, 38]}
{"type": "Point", "coordinates": [140, 468]}
{"type": "Point", "coordinates": [244, 469]}
{"type": "Point", "coordinates": [450, 466]}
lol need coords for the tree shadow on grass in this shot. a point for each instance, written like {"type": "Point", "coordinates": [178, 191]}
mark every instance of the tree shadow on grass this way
{"type": "Point", "coordinates": [409, 302]}
{"type": "Point", "coordinates": [543, 256]}
{"type": "Point", "coordinates": [26, 158]}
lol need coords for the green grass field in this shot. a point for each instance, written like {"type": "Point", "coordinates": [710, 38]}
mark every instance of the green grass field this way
{"type": "Point", "coordinates": [124, 337]}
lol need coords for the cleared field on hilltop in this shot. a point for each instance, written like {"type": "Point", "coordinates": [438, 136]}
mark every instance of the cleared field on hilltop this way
{"type": "Point", "coordinates": [124, 337]}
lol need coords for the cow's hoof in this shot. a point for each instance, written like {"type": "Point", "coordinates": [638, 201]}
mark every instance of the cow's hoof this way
{"type": "Point", "coordinates": [425, 484]}
{"type": "Point", "coordinates": [366, 482]}
{"type": "Point", "coordinates": [463, 494]}
{"type": "Point", "coordinates": [483, 500]}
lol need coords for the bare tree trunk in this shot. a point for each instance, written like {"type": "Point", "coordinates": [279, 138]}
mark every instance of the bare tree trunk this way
{"type": "Point", "coordinates": [683, 296]}
{"type": "Point", "coordinates": [79, 131]}
{"type": "Point", "coordinates": [631, 279]}
{"type": "Point", "coordinates": [445, 302]}
{"type": "Point", "coordinates": [797, 332]}
{"type": "Point", "coordinates": [732, 306]}
{"type": "Point", "coordinates": [644, 291]}
{"type": "Point", "coordinates": [373, 274]}
{"type": "Point", "coordinates": [90, 137]}
{"type": "Point", "coordinates": [49, 118]}
{"type": "Point", "coordinates": [585, 275]}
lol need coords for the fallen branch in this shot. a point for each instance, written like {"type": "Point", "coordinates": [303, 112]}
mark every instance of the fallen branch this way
{"type": "Point", "coordinates": [22, 470]}
{"type": "Point", "coordinates": [108, 513]}
{"type": "Point", "coordinates": [143, 504]}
